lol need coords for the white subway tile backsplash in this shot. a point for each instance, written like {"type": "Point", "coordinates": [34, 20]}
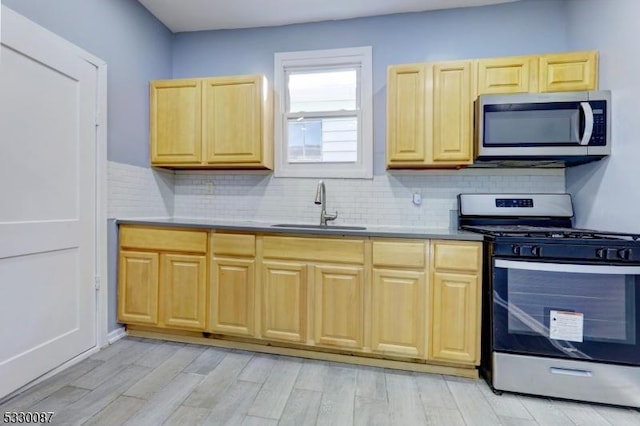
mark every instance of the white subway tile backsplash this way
{"type": "Point", "coordinates": [384, 200]}
{"type": "Point", "coordinates": [139, 191]}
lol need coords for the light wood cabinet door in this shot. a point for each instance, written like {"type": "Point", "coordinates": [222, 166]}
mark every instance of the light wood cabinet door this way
{"type": "Point", "coordinates": [138, 288]}
{"type": "Point", "coordinates": [406, 100]}
{"type": "Point", "coordinates": [284, 301]}
{"type": "Point", "coordinates": [398, 312]}
{"type": "Point", "coordinates": [565, 72]}
{"type": "Point", "coordinates": [233, 119]}
{"type": "Point", "coordinates": [175, 122]}
{"type": "Point", "coordinates": [455, 333]}
{"type": "Point", "coordinates": [517, 74]}
{"type": "Point", "coordinates": [232, 296]}
{"type": "Point", "coordinates": [183, 291]}
{"type": "Point", "coordinates": [452, 113]}
{"type": "Point", "coordinates": [339, 306]}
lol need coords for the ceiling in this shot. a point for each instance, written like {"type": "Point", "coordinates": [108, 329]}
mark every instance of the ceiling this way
{"type": "Point", "coordinates": [197, 15]}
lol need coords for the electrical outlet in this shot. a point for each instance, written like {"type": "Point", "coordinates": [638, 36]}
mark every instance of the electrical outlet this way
{"type": "Point", "coordinates": [208, 188]}
{"type": "Point", "coordinates": [417, 198]}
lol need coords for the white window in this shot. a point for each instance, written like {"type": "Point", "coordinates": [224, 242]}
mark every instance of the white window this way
{"type": "Point", "coordinates": [323, 113]}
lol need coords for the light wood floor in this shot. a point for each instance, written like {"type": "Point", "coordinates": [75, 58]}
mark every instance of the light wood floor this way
{"type": "Point", "coordinates": [149, 382]}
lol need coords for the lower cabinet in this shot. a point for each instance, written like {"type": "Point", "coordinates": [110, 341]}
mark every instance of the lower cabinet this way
{"type": "Point", "coordinates": [399, 297]}
{"type": "Point", "coordinates": [232, 296]}
{"type": "Point", "coordinates": [162, 280]}
{"type": "Point", "coordinates": [387, 297]}
{"type": "Point", "coordinates": [456, 271]}
{"type": "Point", "coordinates": [455, 317]}
{"type": "Point", "coordinates": [183, 291]}
{"type": "Point", "coordinates": [284, 301]}
{"type": "Point", "coordinates": [138, 280]}
{"type": "Point", "coordinates": [233, 284]}
{"type": "Point", "coordinates": [339, 306]}
{"type": "Point", "coordinates": [398, 312]}
{"type": "Point", "coordinates": [312, 290]}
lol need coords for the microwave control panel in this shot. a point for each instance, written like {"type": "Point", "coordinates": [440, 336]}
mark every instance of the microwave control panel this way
{"type": "Point", "coordinates": [599, 133]}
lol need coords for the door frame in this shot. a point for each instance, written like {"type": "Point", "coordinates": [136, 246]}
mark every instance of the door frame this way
{"type": "Point", "coordinates": [101, 189]}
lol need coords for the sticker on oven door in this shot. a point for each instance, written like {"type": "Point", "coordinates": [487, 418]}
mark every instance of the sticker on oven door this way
{"type": "Point", "coordinates": [565, 325]}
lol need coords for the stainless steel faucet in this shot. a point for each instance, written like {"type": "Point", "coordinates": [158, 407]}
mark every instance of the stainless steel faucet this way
{"type": "Point", "coordinates": [321, 198]}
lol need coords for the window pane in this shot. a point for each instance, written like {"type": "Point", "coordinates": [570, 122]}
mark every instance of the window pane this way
{"type": "Point", "coordinates": [305, 141]}
{"type": "Point", "coordinates": [323, 91]}
{"type": "Point", "coordinates": [322, 140]}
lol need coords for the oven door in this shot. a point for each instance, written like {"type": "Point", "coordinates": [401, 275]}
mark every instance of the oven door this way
{"type": "Point", "coordinates": [581, 311]}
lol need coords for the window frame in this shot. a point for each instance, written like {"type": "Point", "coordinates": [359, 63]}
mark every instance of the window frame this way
{"type": "Point", "coordinates": [361, 58]}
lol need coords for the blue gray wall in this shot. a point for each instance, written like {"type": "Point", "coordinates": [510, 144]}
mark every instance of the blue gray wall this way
{"type": "Point", "coordinates": [524, 27]}
{"type": "Point", "coordinates": [606, 193]}
{"type": "Point", "coordinates": [136, 48]}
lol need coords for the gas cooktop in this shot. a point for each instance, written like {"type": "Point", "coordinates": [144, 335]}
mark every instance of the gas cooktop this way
{"type": "Point", "coordinates": [540, 226]}
{"type": "Point", "coordinates": [548, 232]}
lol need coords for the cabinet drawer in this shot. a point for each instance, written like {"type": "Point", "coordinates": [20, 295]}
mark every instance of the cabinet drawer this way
{"type": "Point", "coordinates": [459, 256]}
{"type": "Point", "coordinates": [314, 249]}
{"type": "Point", "coordinates": [399, 253]}
{"type": "Point", "coordinates": [163, 239]}
{"type": "Point", "coordinates": [233, 244]}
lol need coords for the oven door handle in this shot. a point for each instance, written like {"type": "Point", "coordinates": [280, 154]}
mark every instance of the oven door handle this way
{"type": "Point", "coordinates": [567, 267]}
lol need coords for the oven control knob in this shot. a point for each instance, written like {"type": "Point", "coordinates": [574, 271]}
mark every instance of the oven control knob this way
{"type": "Point", "coordinates": [535, 251]}
{"type": "Point", "coordinates": [601, 253]}
{"type": "Point", "coordinates": [624, 254]}
{"type": "Point", "coordinates": [516, 250]}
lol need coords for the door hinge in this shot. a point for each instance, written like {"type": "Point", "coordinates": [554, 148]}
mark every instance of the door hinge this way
{"type": "Point", "coordinates": [96, 283]}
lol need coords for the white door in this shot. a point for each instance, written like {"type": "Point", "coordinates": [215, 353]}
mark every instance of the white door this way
{"type": "Point", "coordinates": [47, 202]}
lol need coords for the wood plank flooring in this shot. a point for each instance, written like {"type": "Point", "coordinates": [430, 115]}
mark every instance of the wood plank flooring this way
{"type": "Point", "coordinates": [150, 382]}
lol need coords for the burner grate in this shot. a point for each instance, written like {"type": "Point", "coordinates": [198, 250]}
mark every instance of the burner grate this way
{"type": "Point", "coordinates": [527, 231]}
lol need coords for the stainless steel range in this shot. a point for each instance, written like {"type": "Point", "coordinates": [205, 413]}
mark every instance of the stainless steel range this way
{"type": "Point", "coordinates": [561, 305]}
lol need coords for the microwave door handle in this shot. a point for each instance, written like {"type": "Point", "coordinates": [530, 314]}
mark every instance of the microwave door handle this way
{"type": "Point", "coordinates": [588, 123]}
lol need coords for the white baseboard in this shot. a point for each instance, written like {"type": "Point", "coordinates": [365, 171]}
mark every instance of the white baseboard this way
{"type": "Point", "coordinates": [116, 335]}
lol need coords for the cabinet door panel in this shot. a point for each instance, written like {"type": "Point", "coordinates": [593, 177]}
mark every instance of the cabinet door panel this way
{"type": "Point", "coordinates": [516, 74]}
{"type": "Point", "coordinates": [232, 296]}
{"type": "Point", "coordinates": [138, 288]}
{"type": "Point", "coordinates": [399, 305]}
{"type": "Point", "coordinates": [183, 291]}
{"type": "Point", "coordinates": [339, 306]}
{"type": "Point", "coordinates": [284, 301]}
{"type": "Point", "coordinates": [456, 331]}
{"type": "Point", "coordinates": [175, 131]}
{"type": "Point", "coordinates": [452, 112]}
{"type": "Point", "coordinates": [406, 114]}
{"type": "Point", "coordinates": [233, 120]}
{"type": "Point", "coordinates": [564, 72]}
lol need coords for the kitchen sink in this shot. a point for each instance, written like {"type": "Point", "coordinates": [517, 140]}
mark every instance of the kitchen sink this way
{"type": "Point", "coordinates": [327, 227]}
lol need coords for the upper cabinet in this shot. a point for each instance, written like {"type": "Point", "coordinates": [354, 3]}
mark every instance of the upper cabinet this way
{"type": "Point", "coordinates": [567, 72]}
{"type": "Point", "coordinates": [430, 105]}
{"type": "Point", "coordinates": [517, 74]}
{"type": "Point", "coordinates": [452, 113]}
{"type": "Point", "coordinates": [429, 121]}
{"type": "Point", "coordinates": [406, 119]}
{"type": "Point", "coordinates": [559, 72]}
{"type": "Point", "coordinates": [176, 117]}
{"type": "Point", "coordinates": [218, 122]}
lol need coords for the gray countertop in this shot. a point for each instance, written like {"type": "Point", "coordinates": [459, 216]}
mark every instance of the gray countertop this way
{"type": "Point", "coordinates": [267, 227]}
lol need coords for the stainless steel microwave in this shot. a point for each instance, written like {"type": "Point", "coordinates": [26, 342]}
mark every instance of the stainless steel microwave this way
{"type": "Point", "coordinates": [543, 129]}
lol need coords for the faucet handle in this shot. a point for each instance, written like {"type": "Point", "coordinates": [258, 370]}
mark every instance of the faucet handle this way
{"type": "Point", "coordinates": [331, 216]}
